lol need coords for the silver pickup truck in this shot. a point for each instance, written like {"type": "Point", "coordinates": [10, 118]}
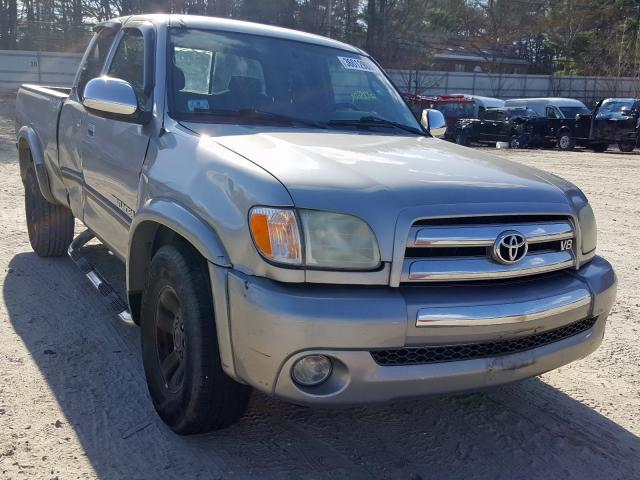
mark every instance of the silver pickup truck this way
{"type": "Point", "coordinates": [288, 225]}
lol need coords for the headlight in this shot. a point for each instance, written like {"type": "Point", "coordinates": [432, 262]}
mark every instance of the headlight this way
{"type": "Point", "coordinates": [343, 242]}
{"type": "Point", "coordinates": [331, 240]}
{"type": "Point", "coordinates": [588, 229]}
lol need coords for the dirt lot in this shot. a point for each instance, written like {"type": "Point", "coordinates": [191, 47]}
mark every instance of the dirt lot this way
{"type": "Point", "coordinates": [73, 402]}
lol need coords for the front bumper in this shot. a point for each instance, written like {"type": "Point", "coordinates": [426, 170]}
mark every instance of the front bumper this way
{"type": "Point", "coordinates": [271, 325]}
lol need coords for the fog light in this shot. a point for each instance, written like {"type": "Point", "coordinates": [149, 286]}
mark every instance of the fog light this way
{"type": "Point", "coordinates": [311, 370]}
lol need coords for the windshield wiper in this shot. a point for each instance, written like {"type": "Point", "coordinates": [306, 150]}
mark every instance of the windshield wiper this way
{"type": "Point", "coordinates": [253, 114]}
{"type": "Point", "coordinates": [373, 121]}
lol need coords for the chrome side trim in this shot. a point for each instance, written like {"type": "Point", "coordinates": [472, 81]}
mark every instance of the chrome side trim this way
{"type": "Point", "coordinates": [485, 235]}
{"type": "Point", "coordinates": [498, 314]}
{"type": "Point", "coordinates": [474, 268]}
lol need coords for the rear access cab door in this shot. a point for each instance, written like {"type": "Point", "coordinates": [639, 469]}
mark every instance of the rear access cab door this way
{"type": "Point", "coordinates": [72, 123]}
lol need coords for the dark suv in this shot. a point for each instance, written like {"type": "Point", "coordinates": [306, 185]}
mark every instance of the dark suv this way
{"type": "Point", "coordinates": [512, 125]}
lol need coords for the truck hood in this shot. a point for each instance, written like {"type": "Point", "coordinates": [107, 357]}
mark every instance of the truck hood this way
{"type": "Point", "coordinates": [376, 176]}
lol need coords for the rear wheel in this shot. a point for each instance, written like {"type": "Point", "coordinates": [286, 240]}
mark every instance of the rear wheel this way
{"type": "Point", "coordinates": [514, 142]}
{"type": "Point", "coordinates": [626, 147]}
{"type": "Point", "coordinates": [566, 141]}
{"type": "Point", "coordinates": [187, 385]}
{"type": "Point", "coordinates": [50, 226]}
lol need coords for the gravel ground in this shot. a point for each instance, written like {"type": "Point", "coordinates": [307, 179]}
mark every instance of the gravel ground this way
{"type": "Point", "coordinates": [73, 402]}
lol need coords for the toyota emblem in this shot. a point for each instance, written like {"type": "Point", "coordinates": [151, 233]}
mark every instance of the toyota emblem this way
{"type": "Point", "coordinates": [510, 247]}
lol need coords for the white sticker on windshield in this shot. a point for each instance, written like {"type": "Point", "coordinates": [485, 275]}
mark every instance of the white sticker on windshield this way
{"type": "Point", "coordinates": [195, 105]}
{"type": "Point", "coordinates": [363, 65]}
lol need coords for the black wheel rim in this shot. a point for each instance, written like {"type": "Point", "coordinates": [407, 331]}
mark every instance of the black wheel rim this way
{"type": "Point", "coordinates": [170, 339]}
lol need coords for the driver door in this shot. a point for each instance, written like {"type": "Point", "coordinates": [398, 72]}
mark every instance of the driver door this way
{"type": "Point", "coordinates": [554, 120]}
{"type": "Point", "coordinates": [114, 149]}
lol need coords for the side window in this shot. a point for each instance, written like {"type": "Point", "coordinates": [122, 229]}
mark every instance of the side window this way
{"type": "Point", "coordinates": [95, 58]}
{"type": "Point", "coordinates": [128, 63]}
{"type": "Point", "coordinates": [551, 112]}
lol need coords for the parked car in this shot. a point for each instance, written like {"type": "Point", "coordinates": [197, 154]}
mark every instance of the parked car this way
{"type": "Point", "coordinates": [559, 128]}
{"type": "Point", "coordinates": [614, 120]}
{"type": "Point", "coordinates": [288, 225]}
{"type": "Point", "coordinates": [454, 107]}
{"type": "Point", "coordinates": [510, 125]}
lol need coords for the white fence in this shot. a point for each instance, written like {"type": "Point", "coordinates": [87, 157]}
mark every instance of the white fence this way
{"type": "Point", "coordinates": [58, 69]}
{"type": "Point", "coordinates": [587, 89]}
{"type": "Point", "coordinates": [47, 68]}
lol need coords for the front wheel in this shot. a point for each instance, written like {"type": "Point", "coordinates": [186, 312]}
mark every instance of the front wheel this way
{"type": "Point", "coordinates": [187, 385]}
{"type": "Point", "coordinates": [626, 147]}
{"type": "Point", "coordinates": [566, 141]}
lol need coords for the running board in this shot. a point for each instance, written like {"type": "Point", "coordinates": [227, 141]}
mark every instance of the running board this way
{"type": "Point", "coordinates": [118, 306]}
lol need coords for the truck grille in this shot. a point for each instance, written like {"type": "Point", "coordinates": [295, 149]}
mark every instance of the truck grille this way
{"type": "Point", "coordinates": [460, 249]}
{"type": "Point", "coordinates": [453, 353]}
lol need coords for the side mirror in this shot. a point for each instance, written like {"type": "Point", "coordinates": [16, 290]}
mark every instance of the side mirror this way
{"type": "Point", "coordinates": [433, 121]}
{"type": "Point", "coordinates": [110, 95]}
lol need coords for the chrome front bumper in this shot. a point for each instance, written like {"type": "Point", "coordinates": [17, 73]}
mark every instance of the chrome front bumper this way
{"type": "Point", "coordinates": [270, 325]}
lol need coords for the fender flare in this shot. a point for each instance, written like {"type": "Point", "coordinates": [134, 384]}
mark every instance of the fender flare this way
{"type": "Point", "coordinates": [170, 214]}
{"type": "Point", "coordinates": [29, 135]}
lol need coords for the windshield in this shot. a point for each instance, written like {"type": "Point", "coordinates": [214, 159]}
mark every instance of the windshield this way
{"type": "Point", "coordinates": [615, 108]}
{"type": "Point", "coordinates": [457, 110]}
{"type": "Point", "coordinates": [225, 77]}
{"type": "Point", "coordinates": [571, 112]}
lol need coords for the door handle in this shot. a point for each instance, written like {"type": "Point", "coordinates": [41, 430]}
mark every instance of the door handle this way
{"type": "Point", "coordinates": [91, 129]}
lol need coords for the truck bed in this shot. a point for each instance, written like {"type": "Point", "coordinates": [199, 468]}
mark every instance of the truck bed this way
{"type": "Point", "coordinates": [38, 107]}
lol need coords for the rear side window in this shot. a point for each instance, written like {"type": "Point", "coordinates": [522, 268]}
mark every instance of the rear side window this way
{"type": "Point", "coordinates": [95, 59]}
{"type": "Point", "coordinates": [128, 63]}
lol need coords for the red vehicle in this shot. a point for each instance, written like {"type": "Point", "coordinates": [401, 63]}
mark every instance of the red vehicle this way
{"type": "Point", "coordinates": [453, 107]}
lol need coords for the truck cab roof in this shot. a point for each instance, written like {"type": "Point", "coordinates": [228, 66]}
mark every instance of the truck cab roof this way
{"type": "Point", "coordinates": [237, 26]}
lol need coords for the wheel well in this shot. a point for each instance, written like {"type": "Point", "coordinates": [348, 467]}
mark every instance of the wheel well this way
{"type": "Point", "coordinates": [564, 130]}
{"type": "Point", "coordinates": [149, 238]}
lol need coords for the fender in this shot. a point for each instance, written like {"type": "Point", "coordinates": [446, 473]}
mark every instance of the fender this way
{"type": "Point", "coordinates": [178, 218]}
{"type": "Point", "coordinates": [168, 213]}
{"type": "Point", "coordinates": [29, 135]}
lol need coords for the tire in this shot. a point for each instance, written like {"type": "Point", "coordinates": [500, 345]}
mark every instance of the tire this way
{"type": "Point", "coordinates": [566, 141]}
{"type": "Point", "coordinates": [462, 139]}
{"type": "Point", "coordinates": [599, 147]}
{"type": "Point", "coordinates": [187, 385]}
{"type": "Point", "coordinates": [514, 143]}
{"type": "Point", "coordinates": [49, 225]}
{"type": "Point", "coordinates": [626, 147]}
